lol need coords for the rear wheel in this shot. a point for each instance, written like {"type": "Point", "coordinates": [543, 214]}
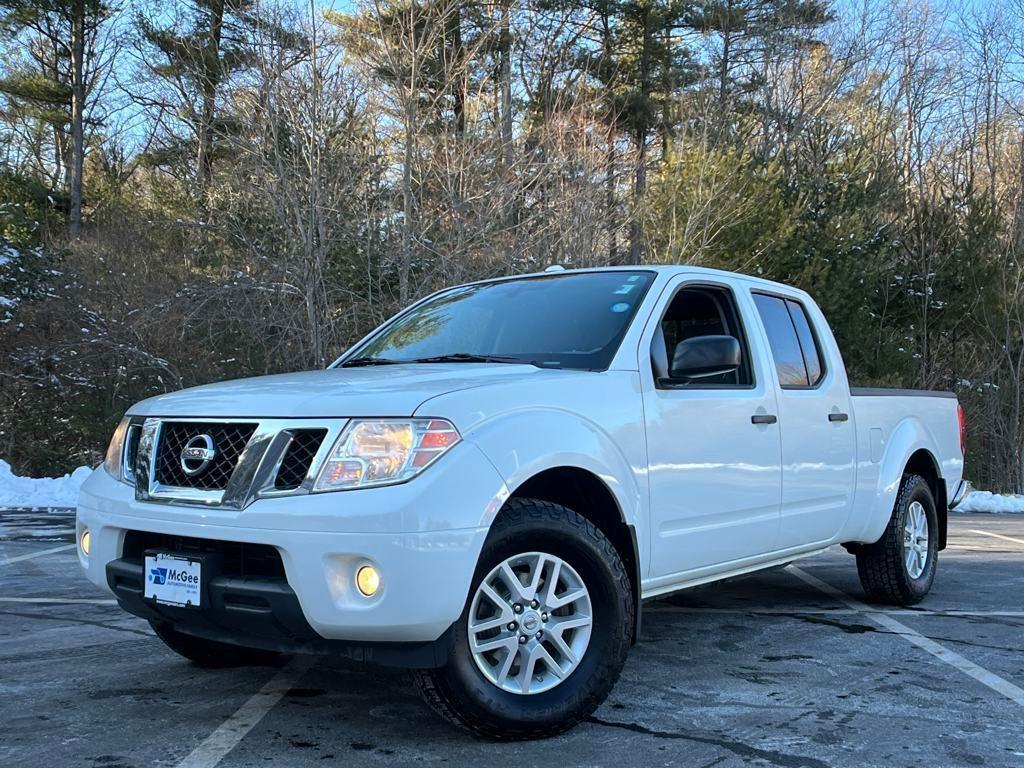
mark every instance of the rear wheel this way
{"type": "Point", "coordinates": [899, 568]}
{"type": "Point", "coordinates": [210, 653]}
{"type": "Point", "coordinates": [545, 630]}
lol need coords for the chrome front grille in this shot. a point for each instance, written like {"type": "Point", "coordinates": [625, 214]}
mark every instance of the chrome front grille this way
{"type": "Point", "coordinates": [298, 458]}
{"type": "Point", "coordinates": [229, 462]}
{"type": "Point", "coordinates": [229, 440]}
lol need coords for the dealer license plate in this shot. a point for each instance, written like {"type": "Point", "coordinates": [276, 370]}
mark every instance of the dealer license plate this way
{"type": "Point", "coordinates": [173, 580]}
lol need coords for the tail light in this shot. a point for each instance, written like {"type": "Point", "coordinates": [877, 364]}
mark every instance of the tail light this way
{"type": "Point", "coordinates": [962, 420]}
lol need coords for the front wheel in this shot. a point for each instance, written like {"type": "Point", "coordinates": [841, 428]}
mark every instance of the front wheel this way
{"type": "Point", "coordinates": [899, 568]}
{"type": "Point", "coordinates": [545, 630]}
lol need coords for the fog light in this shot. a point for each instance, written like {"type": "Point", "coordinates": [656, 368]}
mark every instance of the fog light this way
{"type": "Point", "coordinates": [368, 580]}
{"type": "Point", "coordinates": [85, 543]}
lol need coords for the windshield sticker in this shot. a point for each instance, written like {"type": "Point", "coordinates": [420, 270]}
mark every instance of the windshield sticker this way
{"type": "Point", "coordinates": [620, 307]}
{"type": "Point", "coordinates": [625, 289]}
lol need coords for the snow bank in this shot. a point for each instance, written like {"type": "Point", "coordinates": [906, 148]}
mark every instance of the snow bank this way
{"type": "Point", "coordinates": [986, 501]}
{"type": "Point", "coordinates": [35, 493]}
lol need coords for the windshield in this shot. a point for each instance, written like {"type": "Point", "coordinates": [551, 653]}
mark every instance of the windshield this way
{"type": "Point", "coordinates": [562, 321]}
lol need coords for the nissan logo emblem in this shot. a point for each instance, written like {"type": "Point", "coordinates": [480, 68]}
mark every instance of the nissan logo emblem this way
{"type": "Point", "coordinates": [197, 454]}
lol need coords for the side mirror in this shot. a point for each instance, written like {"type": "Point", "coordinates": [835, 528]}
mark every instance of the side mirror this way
{"type": "Point", "coordinates": [704, 356]}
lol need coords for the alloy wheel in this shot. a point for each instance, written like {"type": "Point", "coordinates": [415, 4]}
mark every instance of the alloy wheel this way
{"type": "Point", "coordinates": [915, 539]}
{"type": "Point", "coordinates": [530, 623]}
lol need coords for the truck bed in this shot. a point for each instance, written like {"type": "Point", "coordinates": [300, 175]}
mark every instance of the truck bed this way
{"type": "Point", "coordinates": [891, 425]}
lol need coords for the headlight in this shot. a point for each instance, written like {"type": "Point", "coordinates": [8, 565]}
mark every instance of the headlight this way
{"type": "Point", "coordinates": [384, 451]}
{"type": "Point", "coordinates": [112, 462]}
{"type": "Point", "coordinates": [120, 458]}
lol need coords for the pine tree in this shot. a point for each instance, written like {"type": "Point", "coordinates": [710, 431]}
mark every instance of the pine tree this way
{"type": "Point", "coordinates": [748, 32]}
{"type": "Point", "coordinates": [197, 56]}
{"type": "Point", "coordinates": [52, 84]}
{"type": "Point", "coordinates": [643, 72]}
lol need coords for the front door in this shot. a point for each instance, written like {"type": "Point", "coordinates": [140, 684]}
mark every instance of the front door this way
{"type": "Point", "coordinates": [713, 443]}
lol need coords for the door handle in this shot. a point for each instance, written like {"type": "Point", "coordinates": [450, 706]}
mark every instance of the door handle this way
{"type": "Point", "coordinates": [839, 417]}
{"type": "Point", "coordinates": [763, 418]}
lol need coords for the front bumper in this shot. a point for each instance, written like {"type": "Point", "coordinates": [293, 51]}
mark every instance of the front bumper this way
{"type": "Point", "coordinates": [424, 537]}
{"type": "Point", "coordinates": [262, 613]}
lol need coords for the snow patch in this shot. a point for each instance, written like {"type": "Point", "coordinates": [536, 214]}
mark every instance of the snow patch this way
{"type": "Point", "coordinates": [36, 493]}
{"type": "Point", "coordinates": [996, 503]}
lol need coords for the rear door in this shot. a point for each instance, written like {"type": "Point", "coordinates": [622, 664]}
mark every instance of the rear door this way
{"type": "Point", "coordinates": [713, 444]}
{"type": "Point", "coordinates": [818, 442]}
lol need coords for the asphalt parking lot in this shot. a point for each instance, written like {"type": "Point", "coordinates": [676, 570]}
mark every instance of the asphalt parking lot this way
{"type": "Point", "coordinates": [785, 668]}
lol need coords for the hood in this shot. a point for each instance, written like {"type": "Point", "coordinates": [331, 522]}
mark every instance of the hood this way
{"type": "Point", "coordinates": [386, 390]}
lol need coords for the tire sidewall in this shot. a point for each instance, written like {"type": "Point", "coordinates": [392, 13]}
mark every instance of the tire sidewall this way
{"type": "Point", "coordinates": [605, 651]}
{"type": "Point", "coordinates": [919, 492]}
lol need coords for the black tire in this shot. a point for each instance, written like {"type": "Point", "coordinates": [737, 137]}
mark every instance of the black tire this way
{"type": "Point", "coordinates": [882, 566]}
{"type": "Point", "coordinates": [461, 694]}
{"type": "Point", "coordinates": [210, 654]}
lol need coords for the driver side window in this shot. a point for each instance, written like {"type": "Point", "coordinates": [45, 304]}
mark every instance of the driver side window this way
{"type": "Point", "coordinates": [697, 311]}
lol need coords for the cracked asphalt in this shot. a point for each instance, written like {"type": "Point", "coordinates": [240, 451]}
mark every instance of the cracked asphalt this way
{"type": "Point", "coordinates": [768, 670]}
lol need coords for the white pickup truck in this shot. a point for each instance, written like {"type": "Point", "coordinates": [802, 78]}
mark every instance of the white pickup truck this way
{"type": "Point", "coordinates": [487, 487]}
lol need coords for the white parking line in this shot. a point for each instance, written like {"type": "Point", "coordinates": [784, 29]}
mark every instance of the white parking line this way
{"type": "Point", "coordinates": [57, 601]}
{"type": "Point", "coordinates": [998, 536]}
{"type": "Point", "coordinates": [31, 555]}
{"type": "Point", "coordinates": [969, 668]}
{"type": "Point", "coordinates": [227, 736]}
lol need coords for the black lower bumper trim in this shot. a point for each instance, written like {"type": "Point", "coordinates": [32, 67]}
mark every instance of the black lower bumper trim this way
{"type": "Point", "coordinates": [262, 612]}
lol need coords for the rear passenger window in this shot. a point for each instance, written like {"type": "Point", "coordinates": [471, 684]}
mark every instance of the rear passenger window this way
{"type": "Point", "coordinates": [789, 334]}
{"type": "Point", "coordinates": [808, 344]}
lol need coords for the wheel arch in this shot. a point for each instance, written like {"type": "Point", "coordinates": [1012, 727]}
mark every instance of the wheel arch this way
{"type": "Point", "coordinates": [584, 492]}
{"type": "Point", "coordinates": [562, 457]}
{"type": "Point", "coordinates": [922, 462]}
{"type": "Point", "coordinates": [910, 449]}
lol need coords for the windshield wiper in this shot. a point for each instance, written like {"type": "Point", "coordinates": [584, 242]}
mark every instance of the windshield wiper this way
{"type": "Point", "coordinates": [465, 357]}
{"type": "Point", "coordinates": [357, 362]}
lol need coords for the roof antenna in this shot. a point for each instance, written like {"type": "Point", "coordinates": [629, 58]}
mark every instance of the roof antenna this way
{"type": "Point", "coordinates": [555, 268]}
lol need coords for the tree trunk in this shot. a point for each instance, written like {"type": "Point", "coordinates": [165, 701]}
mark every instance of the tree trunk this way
{"type": "Point", "coordinates": [723, 66]}
{"type": "Point", "coordinates": [611, 223]}
{"type": "Point", "coordinates": [505, 77]}
{"type": "Point", "coordinates": [211, 81]}
{"type": "Point", "coordinates": [609, 193]}
{"type": "Point", "coordinates": [506, 84]}
{"type": "Point", "coordinates": [60, 160]}
{"type": "Point", "coordinates": [77, 113]}
{"type": "Point", "coordinates": [668, 92]}
{"type": "Point", "coordinates": [636, 233]}
{"type": "Point", "coordinates": [407, 203]}
{"type": "Point", "coordinates": [410, 127]}
{"type": "Point", "coordinates": [315, 256]}
{"type": "Point", "coordinates": [458, 69]}
{"type": "Point", "coordinates": [640, 178]}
